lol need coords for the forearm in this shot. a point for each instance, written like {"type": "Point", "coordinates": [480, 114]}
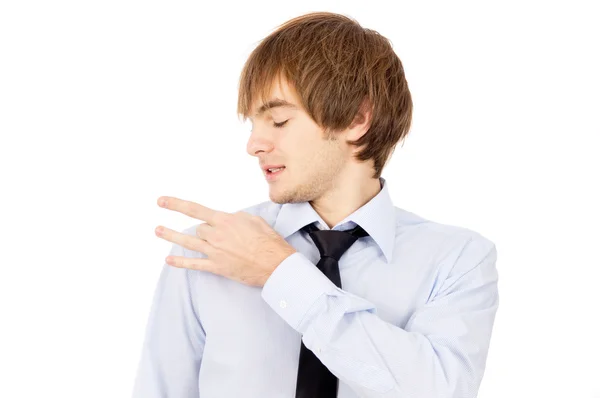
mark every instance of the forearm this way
{"type": "Point", "coordinates": [379, 359]}
{"type": "Point", "coordinates": [440, 352]}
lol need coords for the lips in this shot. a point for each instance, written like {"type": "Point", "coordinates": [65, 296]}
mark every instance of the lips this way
{"type": "Point", "coordinates": [275, 169]}
{"type": "Point", "coordinates": [271, 176]}
{"type": "Point", "coordinates": [272, 166]}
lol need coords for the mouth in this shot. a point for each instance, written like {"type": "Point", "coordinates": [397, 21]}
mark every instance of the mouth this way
{"type": "Point", "coordinates": [272, 174]}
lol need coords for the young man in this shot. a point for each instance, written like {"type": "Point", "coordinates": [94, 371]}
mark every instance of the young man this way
{"type": "Point", "coordinates": [277, 301]}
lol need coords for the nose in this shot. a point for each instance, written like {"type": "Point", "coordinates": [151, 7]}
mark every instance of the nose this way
{"type": "Point", "coordinates": [259, 142]}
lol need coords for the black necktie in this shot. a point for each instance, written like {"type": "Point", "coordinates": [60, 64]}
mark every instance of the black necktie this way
{"type": "Point", "coordinates": [314, 379]}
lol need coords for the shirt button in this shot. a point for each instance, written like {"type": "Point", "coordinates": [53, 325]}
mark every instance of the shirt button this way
{"type": "Point", "coordinates": [319, 350]}
{"type": "Point", "coordinates": [282, 304]}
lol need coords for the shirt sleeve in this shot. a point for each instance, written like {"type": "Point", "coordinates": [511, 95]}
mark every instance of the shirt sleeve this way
{"type": "Point", "coordinates": [441, 351]}
{"type": "Point", "coordinates": [174, 339]}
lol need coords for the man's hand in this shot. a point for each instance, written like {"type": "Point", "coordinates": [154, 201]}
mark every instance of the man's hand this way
{"type": "Point", "coordinates": [238, 246]}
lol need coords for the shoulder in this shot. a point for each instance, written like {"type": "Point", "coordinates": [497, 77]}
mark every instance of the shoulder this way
{"type": "Point", "coordinates": [408, 222]}
{"type": "Point", "coordinates": [448, 244]}
{"type": "Point", "coordinates": [267, 210]}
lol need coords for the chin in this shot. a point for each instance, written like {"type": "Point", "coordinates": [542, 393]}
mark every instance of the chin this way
{"type": "Point", "coordinates": [287, 199]}
{"type": "Point", "coordinates": [279, 198]}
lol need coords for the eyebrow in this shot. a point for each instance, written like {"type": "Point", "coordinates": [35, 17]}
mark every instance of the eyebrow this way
{"type": "Point", "coordinates": [275, 103]}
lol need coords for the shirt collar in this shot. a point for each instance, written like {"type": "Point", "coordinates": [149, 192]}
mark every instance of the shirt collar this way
{"type": "Point", "coordinates": [377, 217]}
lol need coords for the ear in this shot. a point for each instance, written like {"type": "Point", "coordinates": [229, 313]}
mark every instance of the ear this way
{"type": "Point", "coordinates": [362, 121]}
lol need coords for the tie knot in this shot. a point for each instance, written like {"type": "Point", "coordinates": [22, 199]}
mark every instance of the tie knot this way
{"type": "Point", "coordinates": [333, 243]}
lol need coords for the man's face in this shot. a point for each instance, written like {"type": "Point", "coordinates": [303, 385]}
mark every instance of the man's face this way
{"type": "Point", "coordinates": [312, 163]}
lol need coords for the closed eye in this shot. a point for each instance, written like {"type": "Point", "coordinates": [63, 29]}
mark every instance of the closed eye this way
{"type": "Point", "coordinates": [278, 125]}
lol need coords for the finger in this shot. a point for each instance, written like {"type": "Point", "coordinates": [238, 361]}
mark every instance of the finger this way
{"type": "Point", "coordinates": [184, 240]}
{"type": "Point", "coordinates": [199, 264]}
{"type": "Point", "coordinates": [189, 208]}
{"type": "Point", "coordinates": [205, 231]}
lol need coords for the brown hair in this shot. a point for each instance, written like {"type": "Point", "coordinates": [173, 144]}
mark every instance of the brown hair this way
{"type": "Point", "coordinates": [334, 64]}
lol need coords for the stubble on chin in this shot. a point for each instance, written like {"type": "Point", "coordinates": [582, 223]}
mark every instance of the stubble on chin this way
{"type": "Point", "coordinates": [298, 195]}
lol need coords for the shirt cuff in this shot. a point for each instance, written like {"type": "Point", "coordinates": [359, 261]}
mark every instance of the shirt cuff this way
{"type": "Point", "coordinates": [294, 287]}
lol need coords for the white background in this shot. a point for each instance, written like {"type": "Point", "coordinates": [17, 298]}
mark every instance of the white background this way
{"type": "Point", "coordinates": [107, 105]}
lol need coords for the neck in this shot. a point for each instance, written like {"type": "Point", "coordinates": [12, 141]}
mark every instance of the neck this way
{"type": "Point", "coordinates": [345, 198]}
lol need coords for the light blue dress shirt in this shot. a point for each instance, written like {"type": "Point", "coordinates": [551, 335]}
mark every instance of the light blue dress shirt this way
{"type": "Point", "coordinates": [413, 318]}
